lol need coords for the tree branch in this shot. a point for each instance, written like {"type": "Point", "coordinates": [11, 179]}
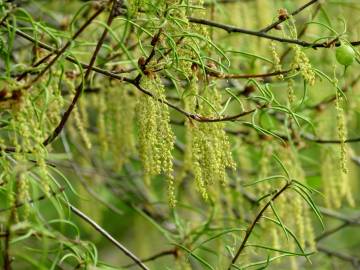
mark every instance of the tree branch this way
{"type": "Point", "coordinates": [234, 29]}
{"type": "Point", "coordinates": [254, 222]}
{"type": "Point", "coordinates": [108, 236]}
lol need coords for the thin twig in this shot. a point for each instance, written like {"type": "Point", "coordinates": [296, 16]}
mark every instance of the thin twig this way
{"type": "Point", "coordinates": [245, 76]}
{"type": "Point", "coordinates": [172, 252]}
{"type": "Point", "coordinates": [108, 236]}
{"type": "Point", "coordinates": [345, 257]}
{"type": "Point", "coordinates": [282, 19]}
{"type": "Point", "coordinates": [309, 137]}
{"type": "Point", "coordinates": [234, 29]}
{"type": "Point", "coordinates": [254, 222]}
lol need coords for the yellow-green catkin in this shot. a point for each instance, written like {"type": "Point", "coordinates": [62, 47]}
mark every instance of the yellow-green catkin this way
{"type": "Point", "coordinates": [346, 185]}
{"type": "Point", "coordinates": [156, 138]}
{"type": "Point", "coordinates": [83, 110]}
{"type": "Point", "coordinates": [300, 61]}
{"type": "Point", "coordinates": [331, 181]}
{"type": "Point", "coordinates": [7, 179]}
{"type": "Point", "coordinates": [265, 168]}
{"type": "Point", "coordinates": [298, 211]}
{"type": "Point", "coordinates": [55, 106]}
{"type": "Point", "coordinates": [80, 124]}
{"type": "Point", "coordinates": [86, 202]}
{"type": "Point", "coordinates": [192, 153]}
{"type": "Point", "coordinates": [293, 260]}
{"type": "Point", "coordinates": [264, 171]}
{"type": "Point", "coordinates": [263, 13]}
{"type": "Point", "coordinates": [80, 121]}
{"type": "Point", "coordinates": [23, 194]}
{"type": "Point", "coordinates": [208, 149]}
{"type": "Point", "coordinates": [330, 169]}
{"type": "Point", "coordinates": [184, 48]}
{"type": "Point", "coordinates": [29, 136]}
{"type": "Point", "coordinates": [295, 201]}
{"type": "Point", "coordinates": [116, 124]}
{"type": "Point", "coordinates": [124, 127]}
{"type": "Point", "coordinates": [345, 189]}
{"type": "Point", "coordinates": [276, 59]}
{"type": "Point", "coordinates": [342, 131]}
{"type": "Point", "coordinates": [309, 231]}
{"type": "Point", "coordinates": [337, 187]}
{"type": "Point", "coordinates": [275, 239]}
{"type": "Point", "coordinates": [100, 103]}
{"type": "Point", "coordinates": [291, 92]}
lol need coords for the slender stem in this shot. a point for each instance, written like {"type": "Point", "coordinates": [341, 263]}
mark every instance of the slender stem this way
{"type": "Point", "coordinates": [331, 231]}
{"type": "Point", "coordinates": [108, 236]}
{"type": "Point", "coordinates": [6, 255]}
{"type": "Point", "coordinates": [156, 256]}
{"type": "Point", "coordinates": [246, 76]}
{"type": "Point", "coordinates": [234, 29]}
{"type": "Point", "coordinates": [343, 256]}
{"type": "Point", "coordinates": [255, 221]}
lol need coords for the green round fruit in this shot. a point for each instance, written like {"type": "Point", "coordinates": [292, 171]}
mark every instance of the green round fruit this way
{"type": "Point", "coordinates": [345, 55]}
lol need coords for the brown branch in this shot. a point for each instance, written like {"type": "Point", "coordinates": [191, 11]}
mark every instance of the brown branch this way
{"type": "Point", "coordinates": [6, 255]}
{"type": "Point", "coordinates": [108, 236]}
{"type": "Point", "coordinates": [331, 231]}
{"type": "Point", "coordinates": [220, 75]}
{"type": "Point", "coordinates": [343, 256]}
{"type": "Point", "coordinates": [234, 29]}
{"type": "Point", "coordinates": [173, 252]}
{"type": "Point", "coordinates": [346, 221]}
{"type": "Point", "coordinates": [326, 212]}
{"type": "Point", "coordinates": [255, 221]}
{"type": "Point", "coordinates": [310, 138]}
{"type": "Point", "coordinates": [336, 215]}
{"type": "Point", "coordinates": [306, 137]}
{"type": "Point", "coordinates": [197, 117]}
